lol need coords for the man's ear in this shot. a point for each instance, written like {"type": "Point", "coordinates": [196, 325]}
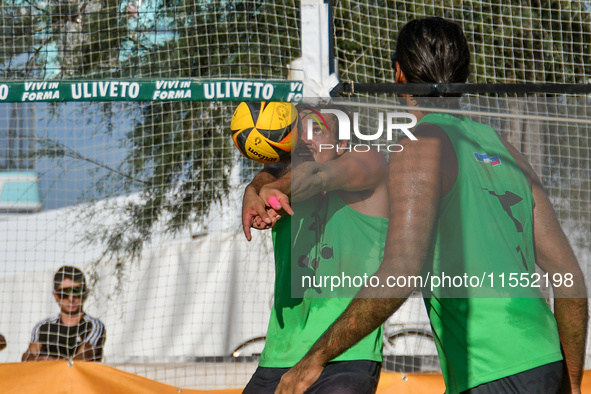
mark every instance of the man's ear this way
{"type": "Point", "coordinates": [57, 299]}
{"type": "Point", "coordinates": [342, 147]}
{"type": "Point", "coordinates": [399, 77]}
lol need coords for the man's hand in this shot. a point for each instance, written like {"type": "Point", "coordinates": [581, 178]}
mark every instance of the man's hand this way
{"type": "Point", "coordinates": [32, 352]}
{"type": "Point", "coordinates": [86, 352]}
{"type": "Point", "coordinates": [254, 209]}
{"type": "Point", "coordinates": [269, 191]}
{"type": "Point", "coordinates": [299, 378]}
{"type": "Point", "coordinates": [260, 224]}
{"type": "Point", "coordinates": [253, 206]}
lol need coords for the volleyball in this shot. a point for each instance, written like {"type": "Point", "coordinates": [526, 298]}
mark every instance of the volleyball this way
{"type": "Point", "coordinates": [264, 131]}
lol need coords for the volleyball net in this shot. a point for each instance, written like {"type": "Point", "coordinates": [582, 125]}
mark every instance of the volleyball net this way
{"type": "Point", "coordinates": [116, 157]}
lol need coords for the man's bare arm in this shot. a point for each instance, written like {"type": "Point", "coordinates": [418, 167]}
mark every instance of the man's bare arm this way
{"type": "Point", "coordinates": [555, 256]}
{"type": "Point", "coordinates": [353, 171]}
{"type": "Point", "coordinates": [86, 352]}
{"type": "Point", "coordinates": [270, 173]}
{"type": "Point", "coordinates": [33, 353]}
{"type": "Point", "coordinates": [414, 187]}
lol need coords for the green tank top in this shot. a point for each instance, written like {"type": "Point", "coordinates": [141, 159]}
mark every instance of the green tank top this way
{"type": "Point", "coordinates": [485, 227]}
{"type": "Point", "coordinates": [325, 237]}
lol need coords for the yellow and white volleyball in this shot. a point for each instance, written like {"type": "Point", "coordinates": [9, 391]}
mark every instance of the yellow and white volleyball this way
{"type": "Point", "coordinates": [264, 131]}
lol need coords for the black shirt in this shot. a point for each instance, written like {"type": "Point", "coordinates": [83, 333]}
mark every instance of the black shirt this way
{"type": "Point", "coordinates": [61, 341]}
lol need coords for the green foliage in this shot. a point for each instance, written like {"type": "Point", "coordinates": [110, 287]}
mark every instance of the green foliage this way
{"type": "Point", "coordinates": [179, 154]}
{"type": "Point", "coordinates": [55, 39]}
{"type": "Point", "coordinates": [512, 41]}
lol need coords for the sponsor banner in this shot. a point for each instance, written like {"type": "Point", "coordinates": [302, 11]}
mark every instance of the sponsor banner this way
{"type": "Point", "coordinates": [151, 90]}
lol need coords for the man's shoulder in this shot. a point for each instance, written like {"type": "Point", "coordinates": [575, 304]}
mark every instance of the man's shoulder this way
{"type": "Point", "coordinates": [97, 326]}
{"type": "Point", "coordinates": [371, 155]}
{"type": "Point", "coordinates": [47, 321]}
{"type": "Point", "coordinates": [93, 320]}
{"type": "Point", "coordinates": [367, 168]}
{"type": "Point", "coordinates": [96, 334]}
{"type": "Point", "coordinates": [45, 326]}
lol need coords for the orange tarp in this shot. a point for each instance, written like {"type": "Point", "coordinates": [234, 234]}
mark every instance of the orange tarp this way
{"type": "Point", "coordinates": [56, 377]}
{"type": "Point", "coordinates": [92, 378]}
{"type": "Point", "coordinates": [393, 383]}
{"type": "Point", "coordinates": [396, 383]}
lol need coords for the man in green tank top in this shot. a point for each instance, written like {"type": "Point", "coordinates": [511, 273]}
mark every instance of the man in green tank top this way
{"type": "Point", "coordinates": [465, 203]}
{"type": "Point", "coordinates": [338, 227]}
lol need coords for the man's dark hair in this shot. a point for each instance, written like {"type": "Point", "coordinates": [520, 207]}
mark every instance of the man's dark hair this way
{"type": "Point", "coordinates": [347, 109]}
{"type": "Point", "coordinates": [432, 50]}
{"type": "Point", "coordinates": [68, 272]}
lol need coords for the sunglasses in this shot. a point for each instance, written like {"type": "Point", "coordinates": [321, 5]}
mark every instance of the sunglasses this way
{"type": "Point", "coordinates": [71, 291]}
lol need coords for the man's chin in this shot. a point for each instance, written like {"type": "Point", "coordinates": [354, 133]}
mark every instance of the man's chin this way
{"type": "Point", "coordinates": [71, 312]}
{"type": "Point", "coordinates": [302, 157]}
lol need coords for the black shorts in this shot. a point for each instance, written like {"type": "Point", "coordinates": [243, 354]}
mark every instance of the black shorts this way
{"type": "Point", "coordinates": [339, 377]}
{"type": "Point", "coordinates": [546, 379]}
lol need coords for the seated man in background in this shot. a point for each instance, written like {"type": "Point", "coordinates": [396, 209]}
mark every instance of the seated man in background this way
{"type": "Point", "coordinates": [340, 211]}
{"type": "Point", "coordinates": [72, 334]}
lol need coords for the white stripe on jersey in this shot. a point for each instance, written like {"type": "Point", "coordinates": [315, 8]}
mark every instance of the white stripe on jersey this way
{"type": "Point", "coordinates": [35, 335]}
{"type": "Point", "coordinates": [96, 332]}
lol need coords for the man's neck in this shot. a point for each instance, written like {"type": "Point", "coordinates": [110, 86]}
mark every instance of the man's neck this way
{"type": "Point", "coordinates": [71, 320]}
{"type": "Point", "coordinates": [418, 114]}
